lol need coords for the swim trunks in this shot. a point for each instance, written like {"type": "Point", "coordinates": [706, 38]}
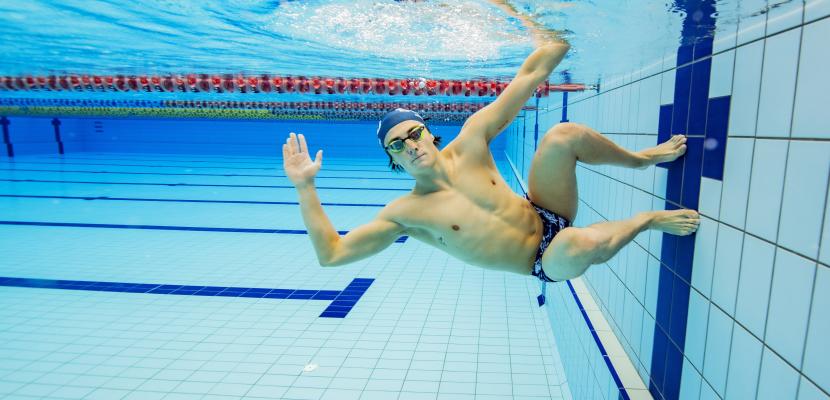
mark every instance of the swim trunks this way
{"type": "Point", "coordinates": [552, 223]}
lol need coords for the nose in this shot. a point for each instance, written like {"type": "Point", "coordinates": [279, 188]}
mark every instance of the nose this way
{"type": "Point", "coordinates": [410, 145]}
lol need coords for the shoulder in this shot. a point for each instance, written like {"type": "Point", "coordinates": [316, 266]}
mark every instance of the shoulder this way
{"type": "Point", "coordinates": [399, 208]}
{"type": "Point", "coordinates": [470, 139]}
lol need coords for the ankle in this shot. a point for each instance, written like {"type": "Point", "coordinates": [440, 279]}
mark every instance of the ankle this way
{"type": "Point", "coordinates": [646, 218]}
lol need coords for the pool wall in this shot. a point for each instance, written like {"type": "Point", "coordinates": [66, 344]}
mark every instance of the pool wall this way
{"type": "Point", "coordinates": [739, 309]}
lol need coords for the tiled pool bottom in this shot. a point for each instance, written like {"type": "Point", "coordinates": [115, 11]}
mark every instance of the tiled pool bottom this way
{"type": "Point", "coordinates": [427, 327]}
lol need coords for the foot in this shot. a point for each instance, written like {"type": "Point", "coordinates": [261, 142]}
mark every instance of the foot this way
{"type": "Point", "coordinates": [667, 151]}
{"type": "Point", "coordinates": [675, 222]}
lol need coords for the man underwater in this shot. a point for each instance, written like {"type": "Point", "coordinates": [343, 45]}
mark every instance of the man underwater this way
{"type": "Point", "coordinates": [461, 204]}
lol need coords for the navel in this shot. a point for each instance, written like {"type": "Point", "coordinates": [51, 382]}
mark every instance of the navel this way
{"type": "Point", "coordinates": [492, 181]}
{"type": "Point", "coordinates": [456, 227]}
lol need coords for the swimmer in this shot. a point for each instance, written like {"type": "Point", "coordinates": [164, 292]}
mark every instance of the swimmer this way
{"type": "Point", "coordinates": [461, 205]}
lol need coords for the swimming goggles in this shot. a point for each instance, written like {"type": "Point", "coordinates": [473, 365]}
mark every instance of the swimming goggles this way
{"type": "Point", "coordinates": [397, 145]}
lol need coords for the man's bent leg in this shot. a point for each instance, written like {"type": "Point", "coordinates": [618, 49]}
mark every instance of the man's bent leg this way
{"type": "Point", "coordinates": [552, 177]}
{"type": "Point", "coordinates": [573, 250]}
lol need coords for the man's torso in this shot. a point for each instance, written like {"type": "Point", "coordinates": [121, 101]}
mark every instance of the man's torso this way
{"type": "Point", "coordinates": [478, 219]}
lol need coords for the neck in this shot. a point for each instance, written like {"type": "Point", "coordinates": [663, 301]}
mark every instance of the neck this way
{"type": "Point", "coordinates": [433, 179]}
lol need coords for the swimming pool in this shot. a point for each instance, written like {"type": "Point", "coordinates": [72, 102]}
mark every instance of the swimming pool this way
{"type": "Point", "coordinates": [151, 245]}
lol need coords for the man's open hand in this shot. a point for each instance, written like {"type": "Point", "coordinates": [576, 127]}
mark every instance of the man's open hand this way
{"type": "Point", "coordinates": [297, 163]}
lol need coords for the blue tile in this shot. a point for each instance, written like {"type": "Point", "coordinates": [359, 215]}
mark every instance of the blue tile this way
{"type": "Point", "coordinates": [668, 250]}
{"type": "Point", "coordinates": [664, 124]}
{"type": "Point", "coordinates": [664, 296]}
{"type": "Point", "coordinates": [685, 53]}
{"type": "Point", "coordinates": [679, 312]}
{"type": "Point", "coordinates": [692, 166]}
{"type": "Point", "coordinates": [685, 256]}
{"type": "Point", "coordinates": [699, 97]}
{"type": "Point", "coordinates": [658, 361]}
{"type": "Point", "coordinates": [682, 92]}
{"type": "Point", "coordinates": [703, 47]}
{"type": "Point", "coordinates": [671, 383]}
{"type": "Point", "coordinates": [714, 147]}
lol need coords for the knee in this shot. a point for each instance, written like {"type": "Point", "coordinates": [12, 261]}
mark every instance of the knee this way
{"type": "Point", "coordinates": [565, 132]}
{"type": "Point", "coordinates": [584, 248]}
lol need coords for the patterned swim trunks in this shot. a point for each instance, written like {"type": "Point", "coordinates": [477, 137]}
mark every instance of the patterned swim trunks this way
{"type": "Point", "coordinates": [552, 223]}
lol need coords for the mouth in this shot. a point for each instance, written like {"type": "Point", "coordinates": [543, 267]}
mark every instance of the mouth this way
{"type": "Point", "coordinates": [416, 158]}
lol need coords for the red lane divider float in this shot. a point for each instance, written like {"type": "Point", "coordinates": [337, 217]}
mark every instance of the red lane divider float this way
{"type": "Point", "coordinates": [269, 84]}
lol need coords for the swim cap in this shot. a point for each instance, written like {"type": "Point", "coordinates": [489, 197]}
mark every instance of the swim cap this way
{"type": "Point", "coordinates": [393, 118]}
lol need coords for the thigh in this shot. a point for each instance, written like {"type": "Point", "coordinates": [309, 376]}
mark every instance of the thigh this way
{"type": "Point", "coordinates": [552, 178]}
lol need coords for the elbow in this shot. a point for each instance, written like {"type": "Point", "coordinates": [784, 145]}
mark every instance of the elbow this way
{"type": "Point", "coordinates": [327, 262]}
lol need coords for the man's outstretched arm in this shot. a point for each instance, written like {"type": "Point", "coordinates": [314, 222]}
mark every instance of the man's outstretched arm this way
{"type": "Point", "coordinates": [331, 249]}
{"type": "Point", "coordinates": [551, 49]}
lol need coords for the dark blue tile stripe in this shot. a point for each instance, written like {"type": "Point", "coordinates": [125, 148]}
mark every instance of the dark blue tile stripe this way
{"type": "Point", "coordinates": [714, 146]}
{"type": "Point", "coordinates": [196, 185]}
{"type": "Point", "coordinates": [187, 166]}
{"type": "Point", "coordinates": [90, 198]}
{"type": "Point", "coordinates": [345, 299]}
{"type": "Point", "coordinates": [693, 114]}
{"type": "Point", "coordinates": [401, 239]}
{"type": "Point", "coordinates": [194, 174]}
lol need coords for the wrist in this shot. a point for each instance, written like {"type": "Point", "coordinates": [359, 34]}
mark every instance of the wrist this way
{"type": "Point", "coordinates": [304, 185]}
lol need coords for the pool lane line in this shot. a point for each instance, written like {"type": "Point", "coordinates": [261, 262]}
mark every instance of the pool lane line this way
{"type": "Point", "coordinates": [90, 198]}
{"type": "Point", "coordinates": [197, 185]}
{"type": "Point", "coordinates": [181, 166]}
{"type": "Point", "coordinates": [196, 174]}
{"type": "Point", "coordinates": [342, 300]}
{"type": "Point", "coordinates": [73, 156]}
{"type": "Point", "coordinates": [401, 239]}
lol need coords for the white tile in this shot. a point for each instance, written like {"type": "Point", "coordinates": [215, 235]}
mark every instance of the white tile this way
{"type": "Point", "coordinates": [744, 364]}
{"type": "Point", "coordinates": [727, 268]}
{"type": "Point", "coordinates": [667, 87]}
{"type": "Point", "coordinates": [726, 27]}
{"type": "Point", "coordinates": [710, 193]}
{"type": "Point", "coordinates": [736, 170]}
{"type": "Point", "coordinates": [805, 188]}
{"type": "Point", "coordinates": [660, 181]}
{"type": "Point", "coordinates": [689, 382]}
{"type": "Point", "coordinates": [753, 20]}
{"type": "Point", "coordinates": [808, 391]}
{"type": "Point", "coordinates": [718, 339]}
{"type": "Point", "coordinates": [815, 9]}
{"type": "Point", "coordinates": [704, 255]}
{"type": "Point", "coordinates": [824, 252]}
{"type": "Point", "coordinates": [813, 92]}
{"type": "Point", "coordinates": [784, 16]}
{"type": "Point", "coordinates": [778, 380]}
{"type": "Point", "coordinates": [778, 84]}
{"type": "Point", "coordinates": [696, 328]}
{"type": "Point", "coordinates": [720, 81]}
{"type": "Point", "coordinates": [754, 284]}
{"type": "Point", "coordinates": [746, 85]}
{"type": "Point", "coordinates": [817, 354]}
{"type": "Point", "coordinates": [789, 305]}
{"type": "Point", "coordinates": [707, 393]}
{"type": "Point", "coordinates": [765, 188]}
{"type": "Point", "coordinates": [648, 111]}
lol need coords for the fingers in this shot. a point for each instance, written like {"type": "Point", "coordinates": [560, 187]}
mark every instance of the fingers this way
{"type": "Point", "coordinates": [318, 159]}
{"type": "Point", "coordinates": [303, 145]}
{"type": "Point", "coordinates": [285, 154]}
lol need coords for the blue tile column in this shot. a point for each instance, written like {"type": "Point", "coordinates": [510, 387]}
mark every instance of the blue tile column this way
{"type": "Point", "coordinates": [704, 122]}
